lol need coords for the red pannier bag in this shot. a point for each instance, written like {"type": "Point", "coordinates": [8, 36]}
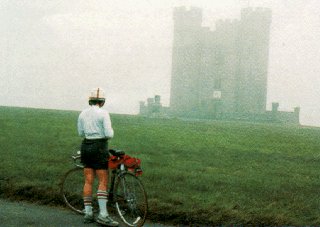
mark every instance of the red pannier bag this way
{"type": "Point", "coordinates": [131, 163]}
{"type": "Point", "coordinates": [114, 162]}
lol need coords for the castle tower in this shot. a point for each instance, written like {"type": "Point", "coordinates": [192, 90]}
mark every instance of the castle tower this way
{"type": "Point", "coordinates": [223, 71]}
{"type": "Point", "coordinates": [186, 57]}
{"type": "Point", "coordinates": [253, 43]}
{"type": "Point", "coordinates": [225, 63]}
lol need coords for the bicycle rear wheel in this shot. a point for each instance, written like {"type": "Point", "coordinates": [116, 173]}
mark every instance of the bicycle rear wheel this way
{"type": "Point", "coordinates": [71, 189]}
{"type": "Point", "coordinates": [130, 199]}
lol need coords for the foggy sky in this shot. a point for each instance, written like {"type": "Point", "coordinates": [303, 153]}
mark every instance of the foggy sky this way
{"type": "Point", "coordinates": [54, 52]}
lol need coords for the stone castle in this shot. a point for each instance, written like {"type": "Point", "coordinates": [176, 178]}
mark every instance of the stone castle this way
{"type": "Point", "coordinates": [220, 74]}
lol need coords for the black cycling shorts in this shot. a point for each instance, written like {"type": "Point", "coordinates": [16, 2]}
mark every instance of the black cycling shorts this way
{"type": "Point", "coordinates": [94, 153]}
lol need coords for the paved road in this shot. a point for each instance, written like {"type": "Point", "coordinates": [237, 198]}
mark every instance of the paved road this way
{"type": "Point", "coordinates": [26, 214]}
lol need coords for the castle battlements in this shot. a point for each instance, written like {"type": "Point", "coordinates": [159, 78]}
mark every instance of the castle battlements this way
{"type": "Point", "coordinates": [187, 12]}
{"type": "Point", "coordinates": [259, 10]}
{"type": "Point", "coordinates": [184, 9]}
{"type": "Point", "coordinates": [258, 13]}
{"type": "Point", "coordinates": [187, 17]}
{"type": "Point", "coordinates": [227, 23]}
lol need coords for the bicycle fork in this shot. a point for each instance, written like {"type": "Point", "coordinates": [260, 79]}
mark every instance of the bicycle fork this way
{"type": "Point", "coordinates": [113, 180]}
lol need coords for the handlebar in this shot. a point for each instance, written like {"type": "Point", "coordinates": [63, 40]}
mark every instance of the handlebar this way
{"type": "Point", "coordinates": [76, 158]}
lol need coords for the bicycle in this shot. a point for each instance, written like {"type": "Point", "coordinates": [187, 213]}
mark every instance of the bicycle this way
{"type": "Point", "coordinates": [126, 194]}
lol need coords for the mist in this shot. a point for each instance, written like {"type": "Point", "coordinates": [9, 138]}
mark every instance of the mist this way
{"type": "Point", "coordinates": [54, 52]}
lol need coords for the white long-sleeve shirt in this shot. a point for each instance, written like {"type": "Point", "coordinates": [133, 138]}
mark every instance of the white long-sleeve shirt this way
{"type": "Point", "coordinates": [95, 123]}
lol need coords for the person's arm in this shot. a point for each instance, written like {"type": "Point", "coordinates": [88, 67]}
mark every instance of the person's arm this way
{"type": "Point", "coordinates": [80, 128]}
{"type": "Point", "coordinates": [108, 130]}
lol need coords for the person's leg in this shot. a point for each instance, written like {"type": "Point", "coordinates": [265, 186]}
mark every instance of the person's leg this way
{"type": "Point", "coordinates": [102, 195]}
{"type": "Point", "coordinates": [102, 174]}
{"type": "Point", "coordinates": [87, 190]}
{"type": "Point", "coordinates": [102, 191]}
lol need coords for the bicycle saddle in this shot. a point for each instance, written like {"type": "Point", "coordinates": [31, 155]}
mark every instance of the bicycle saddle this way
{"type": "Point", "coordinates": [116, 152]}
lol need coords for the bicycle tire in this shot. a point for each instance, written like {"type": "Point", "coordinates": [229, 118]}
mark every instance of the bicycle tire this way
{"type": "Point", "coordinates": [130, 199]}
{"type": "Point", "coordinates": [71, 189]}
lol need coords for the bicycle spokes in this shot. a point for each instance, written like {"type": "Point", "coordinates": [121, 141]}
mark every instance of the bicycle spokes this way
{"type": "Point", "coordinates": [131, 200]}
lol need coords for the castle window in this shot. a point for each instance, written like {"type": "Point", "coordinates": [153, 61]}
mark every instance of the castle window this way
{"type": "Point", "coordinates": [217, 84]}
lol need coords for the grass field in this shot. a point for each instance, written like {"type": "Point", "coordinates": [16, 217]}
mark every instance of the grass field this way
{"type": "Point", "coordinates": [194, 172]}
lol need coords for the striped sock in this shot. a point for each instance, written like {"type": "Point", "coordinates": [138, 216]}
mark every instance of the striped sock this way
{"type": "Point", "coordinates": [102, 200]}
{"type": "Point", "coordinates": [87, 200]}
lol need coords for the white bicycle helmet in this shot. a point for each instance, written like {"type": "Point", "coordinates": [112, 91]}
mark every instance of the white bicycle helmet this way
{"type": "Point", "coordinates": [97, 94]}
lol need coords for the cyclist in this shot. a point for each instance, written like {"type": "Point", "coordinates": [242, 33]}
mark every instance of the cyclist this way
{"type": "Point", "coordinates": [94, 125]}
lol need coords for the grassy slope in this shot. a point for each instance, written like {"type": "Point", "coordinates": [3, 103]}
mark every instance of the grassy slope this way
{"type": "Point", "coordinates": [194, 172]}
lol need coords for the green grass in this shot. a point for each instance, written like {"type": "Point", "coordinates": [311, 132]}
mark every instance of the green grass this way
{"type": "Point", "coordinates": [194, 172]}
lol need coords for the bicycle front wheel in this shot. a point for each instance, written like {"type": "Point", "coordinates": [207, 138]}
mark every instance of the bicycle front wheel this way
{"type": "Point", "coordinates": [71, 189]}
{"type": "Point", "coordinates": [130, 199]}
